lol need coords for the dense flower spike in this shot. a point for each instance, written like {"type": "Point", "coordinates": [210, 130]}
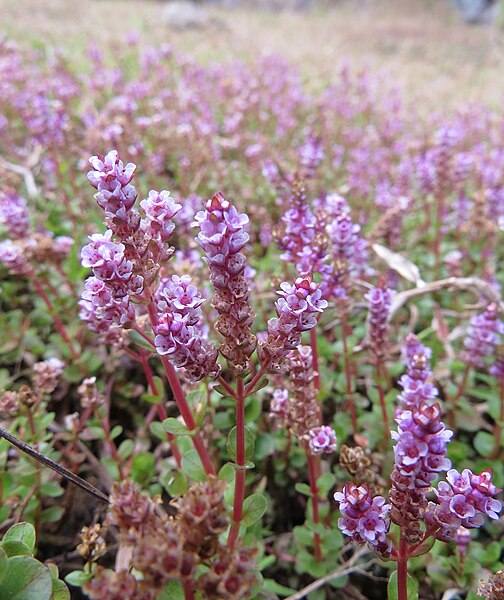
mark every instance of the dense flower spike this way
{"type": "Point", "coordinates": [14, 215]}
{"type": "Point", "coordinates": [414, 384]}
{"type": "Point", "coordinates": [463, 500]}
{"type": "Point", "coordinates": [364, 517]}
{"type": "Point", "coordinates": [110, 265]}
{"type": "Point", "coordinates": [483, 335]}
{"type": "Point", "coordinates": [348, 248]}
{"type": "Point", "coordinates": [222, 236]}
{"type": "Point", "coordinates": [159, 209]}
{"type": "Point", "coordinates": [46, 374]}
{"type": "Point", "coordinates": [304, 410]}
{"type": "Point", "coordinates": [297, 234]}
{"type": "Point", "coordinates": [178, 330]}
{"type": "Point", "coordinates": [297, 310]}
{"type": "Point", "coordinates": [379, 301]}
{"type": "Point", "coordinates": [279, 405]}
{"type": "Point", "coordinates": [116, 195]}
{"type": "Point", "coordinates": [421, 439]}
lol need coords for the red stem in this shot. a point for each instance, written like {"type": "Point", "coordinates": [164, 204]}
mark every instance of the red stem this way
{"type": "Point", "coordinates": [315, 361]}
{"type": "Point", "coordinates": [239, 493]}
{"type": "Point", "coordinates": [182, 404]}
{"type": "Point", "coordinates": [498, 425]}
{"type": "Point", "coordinates": [348, 375]}
{"type": "Point", "coordinates": [159, 407]}
{"type": "Point", "coordinates": [312, 470]}
{"type": "Point", "coordinates": [402, 569]}
{"type": "Point", "coordinates": [188, 589]}
{"type": "Point", "coordinates": [461, 387]}
{"type": "Point", "coordinates": [381, 395]}
{"type": "Point", "coordinates": [185, 411]}
{"type": "Point", "coordinates": [57, 321]}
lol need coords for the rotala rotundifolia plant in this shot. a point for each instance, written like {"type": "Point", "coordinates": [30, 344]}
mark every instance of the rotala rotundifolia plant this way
{"type": "Point", "coordinates": [459, 503]}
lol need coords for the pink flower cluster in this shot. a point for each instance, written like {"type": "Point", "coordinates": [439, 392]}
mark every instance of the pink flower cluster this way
{"type": "Point", "coordinates": [414, 383]}
{"type": "Point", "coordinates": [322, 440]}
{"type": "Point", "coordinates": [463, 501]}
{"type": "Point", "coordinates": [222, 236]}
{"type": "Point", "coordinates": [178, 329]}
{"type": "Point", "coordinates": [364, 517]}
{"type": "Point", "coordinates": [14, 215]}
{"type": "Point", "coordinates": [116, 195]}
{"type": "Point", "coordinates": [483, 336]}
{"type": "Point", "coordinates": [420, 452]}
{"type": "Point", "coordinates": [379, 302]}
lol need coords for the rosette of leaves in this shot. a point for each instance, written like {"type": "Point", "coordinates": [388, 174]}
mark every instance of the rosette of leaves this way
{"type": "Point", "coordinates": [23, 577]}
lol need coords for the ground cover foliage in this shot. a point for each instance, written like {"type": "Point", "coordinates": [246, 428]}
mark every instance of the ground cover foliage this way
{"type": "Point", "coordinates": [224, 362]}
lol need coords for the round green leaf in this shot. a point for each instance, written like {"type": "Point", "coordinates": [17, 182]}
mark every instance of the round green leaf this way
{"type": "Point", "coordinates": [192, 467]}
{"type": "Point", "coordinates": [60, 591]}
{"type": "Point", "coordinates": [27, 579]}
{"type": "Point", "coordinates": [175, 427]}
{"type": "Point", "coordinates": [484, 443]}
{"type": "Point", "coordinates": [412, 588]}
{"type": "Point", "coordinates": [4, 564]}
{"type": "Point", "coordinates": [15, 548]}
{"type": "Point", "coordinates": [22, 532]}
{"type": "Point", "coordinates": [249, 444]}
{"type": "Point", "coordinates": [77, 578]}
{"type": "Point", "coordinates": [254, 508]}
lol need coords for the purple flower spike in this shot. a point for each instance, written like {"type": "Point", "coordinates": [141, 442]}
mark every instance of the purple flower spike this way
{"type": "Point", "coordinates": [116, 195]}
{"type": "Point", "coordinates": [463, 501]}
{"type": "Point", "coordinates": [364, 517]}
{"type": "Point", "coordinates": [14, 215]}
{"type": "Point", "coordinates": [379, 301]}
{"type": "Point", "coordinates": [179, 334]}
{"type": "Point", "coordinates": [222, 236]}
{"type": "Point", "coordinates": [159, 209]}
{"type": "Point", "coordinates": [483, 336]}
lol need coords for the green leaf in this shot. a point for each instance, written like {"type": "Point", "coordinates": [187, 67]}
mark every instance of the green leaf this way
{"type": "Point", "coordinates": [172, 591]}
{"type": "Point", "coordinates": [52, 514]}
{"type": "Point", "coordinates": [22, 532]}
{"type": "Point", "coordinates": [60, 591]}
{"type": "Point", "coordinates": [157, 430]}
{"type": "Point", "coordinates": [192, 467]}
{"type": "Point", "coordinates": [249, 444]}
{"type": "Point", "coordinates": [26, 579]}
{"type": "Point", "coordinates": [139, 340]}
{"type": "Point", "coordinates": [325, 482]}
{"type": "Point", "coordinates": [3, 564]}
{"type": "Point", "coordinates": [175, 427]}
{"type": "Point", "coordinates": [254, 508]}
{"type": "Point", "coordinates": [143, 467]}
{"type": "Point", "coordinates": [484, 443]}
{"type": "Point", "coordinates": [77, 578]}
{"type": "Point", "coordinates": [303, 536]}
{"type": "Point", "coordinates": [116, 431]}
{"type": "Point", "coordinates": [303, 488]}
{"type": "Point", "coordinates": [16, 548]}
{"type": "Point", "coordinates": [52, 489]}
{"type": "Point", "coordinates": [412, 588]}
{"type": "Point", "coordinates": [175, 484]}
{"type": "Point", "coordinates": [125, 449]}
{"type": "Point", "coordinates": [227, 472]}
